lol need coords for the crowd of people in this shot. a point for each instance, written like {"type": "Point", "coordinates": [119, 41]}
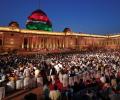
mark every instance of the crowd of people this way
{"type": "Point", "coordinates": [80, 76]}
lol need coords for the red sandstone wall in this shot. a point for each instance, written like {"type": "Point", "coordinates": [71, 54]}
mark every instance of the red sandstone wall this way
{"type": "Point", "coordinates": [12, 41]}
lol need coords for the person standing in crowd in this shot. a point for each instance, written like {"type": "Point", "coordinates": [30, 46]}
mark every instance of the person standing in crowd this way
{"type": "Point", "coordinates": [64, 72]}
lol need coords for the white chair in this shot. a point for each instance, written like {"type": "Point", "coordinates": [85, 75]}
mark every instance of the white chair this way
{"type": "Point", "coordinates": [2, 92]}
{"type": "Point", "coordinates": [26, 82]}
{"type": "Point", "coordinates": [71, 81]}
{"type": "Point", "coordinates": [40, 81]}
{"type": "Point", "coordinates": [19, 84]}
{"type": "Point", "coordinates": [11, 86]}
{"type": "Point", "coordinates": [33, 82]}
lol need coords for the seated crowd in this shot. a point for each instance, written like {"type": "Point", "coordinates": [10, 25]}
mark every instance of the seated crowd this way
{"type": "Point", "coordinates": [81, 76]}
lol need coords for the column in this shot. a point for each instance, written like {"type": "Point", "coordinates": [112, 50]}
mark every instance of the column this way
{"type": "Point", "coordinates": [39, 43]}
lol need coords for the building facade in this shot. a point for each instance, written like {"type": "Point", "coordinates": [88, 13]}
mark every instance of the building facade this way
{"type": "Point", "coordinates": [12, 38]}
{"type": "Point", "coordinates": [39, 36]}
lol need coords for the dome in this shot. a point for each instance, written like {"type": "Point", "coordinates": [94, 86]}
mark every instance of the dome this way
{"type": "Point", "coordinates": [67, 30]}
{"type": "Point", "coordinates": [38, 20]}
{"type": "Point", "coordinates": [14, 24]}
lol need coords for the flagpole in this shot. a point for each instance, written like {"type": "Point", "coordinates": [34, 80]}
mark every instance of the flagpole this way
{"type": "Point", "coordinates": [38, 4]}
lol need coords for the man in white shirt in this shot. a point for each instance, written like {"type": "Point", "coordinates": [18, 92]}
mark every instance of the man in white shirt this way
{"type": "Point", "coordinates": [26, 72]}
{"type": "Point", "coordinates": [37, 72]}
{"type": "Point", "coordinates": [103, 79]}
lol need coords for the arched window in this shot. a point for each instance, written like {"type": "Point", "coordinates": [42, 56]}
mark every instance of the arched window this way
{"type": "Point", "coordinates": [25, 43]}
{"type": "Point", "coordinates": [0, 42]}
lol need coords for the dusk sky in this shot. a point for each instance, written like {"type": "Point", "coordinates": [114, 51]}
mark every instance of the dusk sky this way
{"type": "Point", "coordinates": [89, 16]}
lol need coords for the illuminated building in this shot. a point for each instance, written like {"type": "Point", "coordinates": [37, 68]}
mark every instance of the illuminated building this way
{"type": "Point", "coordinates": [39, 37]}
